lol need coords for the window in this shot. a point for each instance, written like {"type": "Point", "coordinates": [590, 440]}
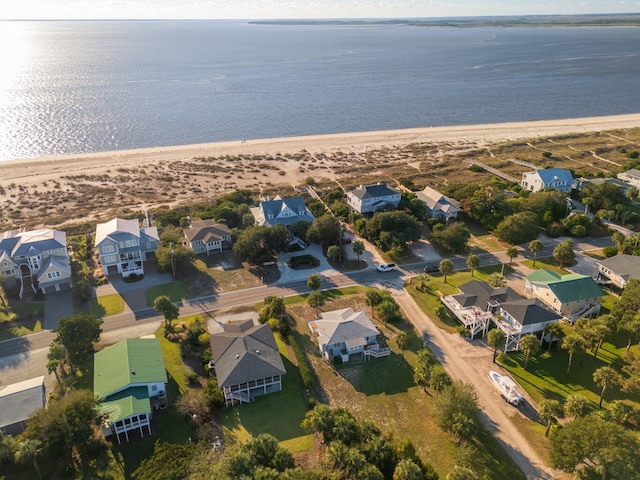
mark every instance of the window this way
{"type": "Point", "coordinates": [108, 249]}
{"type": "Point", "coordinates": [130, 243]}
{"type": "Point", "coordinates": [51, 275]}
{"type": "Point", "coordinates": [154, 388]}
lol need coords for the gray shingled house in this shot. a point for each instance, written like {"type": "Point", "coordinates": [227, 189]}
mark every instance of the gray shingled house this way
{"type": "Point", "coordinates": [282, 211]}
{"type": "Point", "coordinates": [246, 361]}
{"type": "Point", "coordinates": [618, 270]}
{"type": "Point", "coordinates": [371, 198]}
{"type": "Point", "coordinates": [206, 236]}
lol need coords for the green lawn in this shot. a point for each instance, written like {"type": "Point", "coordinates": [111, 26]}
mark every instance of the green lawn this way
{"type": "Point", "coordinates": [267, 415]}
{"type": "Point", "coordinates": [20, 317]}
{"type": "Point", "coordinates": [106, 305]}
{"type": "Point", "coordinates": [548, 263]}
{"type": "Point", "coordinates": [175, 291]}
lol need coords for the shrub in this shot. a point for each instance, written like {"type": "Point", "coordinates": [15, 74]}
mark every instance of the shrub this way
{"type": "Point", "coordinates": [214, 393]}
{"type": "Point", "coordinates": [207, 356]}
{"type": "Point", "coordinates": [463, 331]}
{"type": "Point", "coordinates": [190, 376]}
{"type": "Point", "coordinates": [303, 363]}
{"type": "Point", "coordinates": [476, 168]}
{"type": "Point", "coordinates": [610, 251]}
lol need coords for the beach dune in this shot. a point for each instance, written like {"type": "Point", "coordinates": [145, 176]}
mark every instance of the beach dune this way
{"type": "Point", "coordinates": [45, 177]}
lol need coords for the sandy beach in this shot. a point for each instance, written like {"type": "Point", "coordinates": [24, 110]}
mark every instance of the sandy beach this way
{"type": "Point", "coordinates": [151, 176]}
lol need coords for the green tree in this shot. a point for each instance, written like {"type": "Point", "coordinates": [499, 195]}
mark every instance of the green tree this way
{"type": "Point", "coordinates": [453, 238]}
{"type": "Point", "coordinates": [174, 257]}
{"type": "Point", "coordinates": [335, 253]}
{"type": "Point", "coordinates": [473, 262]}
{"type": "Point", "coordinates": [630, 326]}
{"type": "Point", "coordinates": [389, 310]}
{"type": "Point", "coordinates": [446, 268]}
{"type": "Point", "coordinates": [372, 298]}
{"type": "Point", "coordinates": [316, 300]}
{"type": "Point", "coordinates": [56, 360]}
{"type": "Point", "coordinates": [422, 368]}
{"type": "Point", "coordinates": [572, 343]}
{"type": "Point", "coordinates": [496, 280]}
{"type": "Point", "coordinates": [162, 304]}
{"type": "Point", "coordinates": [604, 377]}
{"type": "Point", "coordinates": [325, 230]}
{"type": "Point", "coordinates": [519, 228]}
{"type": "Point", "coordinates": [576, 406]}
{"type": "Point", "coordinates": [535, 247]}
{"type": "Point", "coordinates": [456, 409]}
{"type": "Point", "coordinates": [393, 230]}
{"type": "Point", "coordinates": [594, 331]}
{"type": "Point", "coordinates": [273, 308]}
{"type": "Point", "coordinates": [27, 453]}
{"type": "Point", "coordinates": [512, 252]}
{"type": "Point", "coordinates": [77, 334]}
{"type": "Point", "coordinates": [407, 470]}
{"type": "Point", "coordinates": [550, 411]}
{"type": "Point", "coordinates": [259, 243]}
{"type": "Point", "coordinates": [438, 378]}
{"type": "Point", "coordinates": [564, 254]}
{"type": "Point", "coordinates": [313, 282]}
{"type": "Point", "coordinates": [358, 248]}
{"type": "Point", "coordinates": [402, 339]}
{"type": "Point", "coordinates": [320, 420]}
{"type": "Point", "coordinates": [496, 338]}
{"type": "Point", "coordinates": [530, 345]}
{"type": "Point", "coordinates": [597, 448]}
{"type": "Point", "coordinates": [68, 428]}
{"type": "Point", "coordinates": [553, 331]}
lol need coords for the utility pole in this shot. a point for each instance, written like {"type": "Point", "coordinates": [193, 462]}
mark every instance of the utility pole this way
{"type": "Point", "coordinates": [173, 263]}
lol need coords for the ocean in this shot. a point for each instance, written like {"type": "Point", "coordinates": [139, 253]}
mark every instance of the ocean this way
{"type": "Point", "coordinates": [89, 86]}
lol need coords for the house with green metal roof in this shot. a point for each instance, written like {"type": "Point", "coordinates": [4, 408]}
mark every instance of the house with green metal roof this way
{"type": "Point", "coordinates": [574, 296]}
{"type": "Point", "coordinates": [131, 381]}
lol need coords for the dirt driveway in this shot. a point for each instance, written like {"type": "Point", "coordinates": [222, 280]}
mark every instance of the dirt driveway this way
{"type": "Point", "coordinates": [470, 362]}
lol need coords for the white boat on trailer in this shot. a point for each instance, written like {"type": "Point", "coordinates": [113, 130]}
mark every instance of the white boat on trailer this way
{"type": "Point", "coordinates": [507, 388]}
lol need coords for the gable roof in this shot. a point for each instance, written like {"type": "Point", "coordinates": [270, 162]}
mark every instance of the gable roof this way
{"type": "Point", "coordinates": [530, 311]}
{"type": "Point", "coordinates": [479, 294]}
{"type": "Point", "coordinates": [244, 352]}
{"type": "Point", "coordinates": [275, 211]}
{"type": "Point", "coordinates": [344, 326]}
{"type": "Point", "coordinates": [567, 288]}
{"type": "Point", "coordinates": [435, 200]}
{"type": "Point", "coordinates": [132, 401]}
{"type": "Point", "coordinates": [117, 226]}
{"type": "Point", "coordinates": [32, 242]}
{"type": "Point", "coordinates": [626, 266]}
{"type": "Point", "coordinates": [373, 191]}
{"type": "Point", "coordinates": [19, 400]}
{"type": "Point", "coordinates": [133, 361]}
{"type": "Point", "coordinates": [549, 175]}
{"type": "Point", "coordinates": [207, 231]}
{"type": "Point", "coordinates": [633, 172]}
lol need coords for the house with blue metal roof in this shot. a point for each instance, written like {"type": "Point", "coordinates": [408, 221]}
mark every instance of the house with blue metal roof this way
{"type": "Point", "coordinates": [555, 178]}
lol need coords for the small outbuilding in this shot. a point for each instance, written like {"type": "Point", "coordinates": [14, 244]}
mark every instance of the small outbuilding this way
{"type": "Point", "coordinates": [19, 401]}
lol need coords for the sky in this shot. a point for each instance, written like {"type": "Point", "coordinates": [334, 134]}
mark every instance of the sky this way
{"type": "Point", "coordinates": [300, 9]}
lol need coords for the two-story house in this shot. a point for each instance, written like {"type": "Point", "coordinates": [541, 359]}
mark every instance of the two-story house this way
{"type": "Point", "coordinates": [123, 246]}
{"type": "Point", "coordinates": [38, 260]}
{"type": "Point", "coordinates": [556, 178]}
{"type": "Point", "coordinates": [438, 205]}
{"type": "Point", "coordinates": [372, 198]}
{"type": "Point", "coordinates": [207, 236]}
{"type": "Point", "coordinates": [618, 270]}
{"type": "Point", "coordinates": [130, 380]}
{"type": "Point", "coordinates": [573, 296]}
{"type": "Point", "coordinates": [282, 211]}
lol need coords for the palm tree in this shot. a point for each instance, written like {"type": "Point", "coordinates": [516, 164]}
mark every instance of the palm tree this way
{"type": "Point", "coordinates": [550, 410]}
{"type": "Point", "coordinates": [373, 299]}
{"type": "Point", "coordinates": [27, 452]}
{"type": "Point", "coordinates": [403, 341]}
{"type": "Point", "coordinates": [535, 247]}
{"type": "Point", "coordinates": [496, 338]}
{"type": "Point", "coordinates": [320, 420]}
{"type": "Point", "coordinates": [553, 330]}
{"type": "Point", "coordinates": [530, 346]}
{"type": "Point", "coordinates": [422, 375]}
{"type": "Point", "coordinates": [605, 376]}
{"type": "Point", "coordinates": [576, 406]}
{"type": "Point", "coordinates": [358, 248]}
{"type": "Point", "coordinates": [313, 282]}
{"type": "Point", "coordinates": [573, 343]}
{"type": "Point", "coordinates": [586, 201]}
{"type": "Point", "coordinates": [512, 252]}
{"type": "Point", "coordinates": [316, 300]}
{"type": "Point", "coordinates": [473, 262]}
{"type": "Point", "coordinates": [168, 309]}
{"type": "Point", "coordinates": [446, 268]}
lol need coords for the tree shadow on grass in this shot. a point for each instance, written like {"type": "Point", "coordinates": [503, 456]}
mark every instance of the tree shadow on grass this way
{"type": "Point", "coordinates": [389, 375]}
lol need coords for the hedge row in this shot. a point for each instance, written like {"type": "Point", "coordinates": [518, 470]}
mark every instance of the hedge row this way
{"type": "Point", "coordinates": [303, 363]}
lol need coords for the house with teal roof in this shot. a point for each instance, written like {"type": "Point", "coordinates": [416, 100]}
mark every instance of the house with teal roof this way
{"type": "Point", "coordinates": [131, 382]}
{"type": "Point", "coordinates": [574, 296]}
